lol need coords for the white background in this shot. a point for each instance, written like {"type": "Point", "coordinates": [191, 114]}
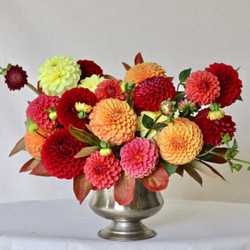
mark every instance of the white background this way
{"type": "Point", "coordinates": [177, 34]}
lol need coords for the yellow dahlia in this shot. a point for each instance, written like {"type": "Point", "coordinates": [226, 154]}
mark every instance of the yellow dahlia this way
{"type": "Point", "coordinates": [181, 142]}
{"type": "Point", "coordinates": [34, 141]}
{"type": "Point", "coordinates": [113, 120]}
{"type": "Point", "coordinates": [143, 71]}
{"type": "Point", "coordinates": [91, 82]}
{"type": "Point", "coordinates": [58, 74]}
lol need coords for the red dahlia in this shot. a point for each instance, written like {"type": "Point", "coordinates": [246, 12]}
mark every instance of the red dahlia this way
{"type": "Point", "coordinates": [110, 89]}
{"type": "Point", "coordinates": [66, 111]}
{"type": "Point", "coordinates": [151, 92]}
{"type": "Point", "coordinates": [58, 155]}
{"type": "Point", "coordinates": [229, 82]}
{"type": "Point", "coordinates": [36, 110]}
{"type": "Point", "coordinates": [89, 68]}
{"type": "Point", "coordinates": [16, 77]}
{"type": "Point", "coordinates": [212, 130]}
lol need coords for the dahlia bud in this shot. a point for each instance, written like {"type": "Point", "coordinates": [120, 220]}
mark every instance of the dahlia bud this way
{"type": "Point", "coordinates": [32, 128]}
{"type": "Point", "coordinates": [187, 105]}
{"type": "Point", "coordinates": [53, 115]}
{"type": "Point", "coordinates": [215, 115]}
{"type": "Point", "coordinates": [167, 107]}
{"type": "Point", "coordinates": [131, 86]}
{"type": "Point", "coordinates": [82, 107]}
{"type": "Point", "coordinates": [105, 151]}
{"type": "Point", "coordinates": [124, 87]}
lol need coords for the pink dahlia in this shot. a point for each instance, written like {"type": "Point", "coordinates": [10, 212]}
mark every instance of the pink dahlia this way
{"type": "Point", "coordinates": [230, 83]}
{"type": "Point", "coordinates": [139, 157]}
{"type": "Point", "coordinates": [202, 87]}
{"type": "Point", "coordinates": [89, 68]}
{"type": "Point", "coordinates": [102, 171]}
{"type": "Point", "coordinates": [66, 111]}
{"type": "Point", "coordinates": [36, 110]}
{"type": "Point", "coordinates": [212, 130]}
{"type": "Point", "coordinates": [149, 94]}
{"type": "Point", "coordinates": [16, 77]}
{"type": "Point", "coordinates": [58, 155]}
{"type": "Point", "coordinates": [110, 89]}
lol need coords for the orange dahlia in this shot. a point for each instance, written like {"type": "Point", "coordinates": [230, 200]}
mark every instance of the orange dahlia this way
{"type": "Point", "coordinates": [34, 141]}
{"type": "Point", "coordinates": [143, 71]}
{"type": "Point", "coordinates": [180, 142]}
{"type": "Point", "coordinates": [113, 120]}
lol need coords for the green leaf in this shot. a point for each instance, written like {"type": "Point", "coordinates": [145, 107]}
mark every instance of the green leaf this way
{"type": "Point", "coordinates": [84, 152]}
{"type": "Point", "coordinates": [147, 121]}
{"type": "Point", "coordinates": [248, 168]}
{"type": "Point", "coordinates": [238, 167]}
{"type": "Point", "coordinates": [159, 126]}
{"type": "Point", "coordinates": [179, 96]}
{"type": "Point", "coordinates": [240, 98]}
{"type": "Point", "coordinates": [238, 68]}
{"type": "Point", "coordinates": [231, 166]}
{"type": "Point", "coordinates": [170, 168]}
{"type": "Point", "coordinates": [184, 75]}
{"type": "Point", "coordinates": [232, 149]}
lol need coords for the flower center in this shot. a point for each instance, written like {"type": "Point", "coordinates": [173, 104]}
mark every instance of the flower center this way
{"type": "Point", "coordinates": [204, 85]}
{"type": "Point", "coordinates": [111, 90]}
{"type": "Point", "coordinates": [137, 157]}
{"type": "Point", "coordinates": [100, 169]}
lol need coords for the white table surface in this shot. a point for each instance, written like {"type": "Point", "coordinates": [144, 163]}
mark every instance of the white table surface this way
{"type": "Point", "coordinates": [63, 224]}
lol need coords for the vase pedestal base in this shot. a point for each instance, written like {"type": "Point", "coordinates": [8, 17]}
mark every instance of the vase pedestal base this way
{"type": "Point", "coordinates": [126, 231]}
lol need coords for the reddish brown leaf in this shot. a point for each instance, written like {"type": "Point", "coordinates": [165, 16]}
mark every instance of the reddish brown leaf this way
{"type": "Point", "coordinates": [193, 173]}
{"type": "Point", "coordinates": [89, 128]}
{"type": "Point", "coordinates": [81, 187]}
{"type": "Point", "coordinates": [138, 58]}
{"type": "Point", "coordinates": [18, 147]}
{"type": "Point", "coordinates": [28, 165]}
{"type": "Point", "coordinates": [84, 152]}
{"type": "Point", "coordinates": [207, 169]}
{"type": "Point", "coordinates": [171, 78]}
{"type": "Point", "coordinates": [40, 170]}
{"type": "Point", "coordinates": [124, 189]}
{"type": "Point", "coordinates": [126, 66]}
{"type": "Point", "coordinates": [180, 171]}
{"type": "Point", "coordinates": [39, 88]}
{"type": "Point", "coordinates": [109, 77]}
{"type": "Point", "coordinates": [217, 159]}
{"type": "Point", "coordinates": [158, 180]}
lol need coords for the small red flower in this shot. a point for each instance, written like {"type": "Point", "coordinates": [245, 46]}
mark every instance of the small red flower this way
{"type": "Point", "coordinates": [58, 155]}
{"type": "Point", "coordinates": [66, 111]}
{"type": "Point", "coordinates": [16, 77]}
{"type": "Point", "coordinates": [212, 130]}
{"type": "Point", "coordinates": [230, 83]}
{"type": "Point", "coordinates": [89, 68]}
{"type": "Point", "coordinates": [149, 94]}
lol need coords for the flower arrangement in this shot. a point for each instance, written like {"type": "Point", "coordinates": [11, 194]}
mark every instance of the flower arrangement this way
{"type": "Point", "coordinates": [103, 132]}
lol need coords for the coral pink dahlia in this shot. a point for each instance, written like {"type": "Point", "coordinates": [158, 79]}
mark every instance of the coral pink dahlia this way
{"type": "Point", "coordinates": [58, 155]}
{"type": "Point", "coordinates": [202, 87]}
{"type": "Point", "coordinates": [230, 83]}
{"type": "Point", "coordinates": [102, 171]}
{"type": "Point", "coordinates": [36, 110]}
{"type": "Point", "coordinates": [139, 157]}
{"type": "Point", "coordinates": [110, 89]}
{"type": "Point", "coordinates": [16, 77]}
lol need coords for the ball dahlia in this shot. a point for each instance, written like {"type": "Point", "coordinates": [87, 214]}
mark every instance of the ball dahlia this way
{"type": "Point", "coordinates": [102, 171]}
{"type": "Point", "coordinates": [58, 74]}
{"type": "Point", "coordinates": [212, 130]}
{"type": "Point", "coordinates": [113, 120]}
{"type": "Point", "coordinates": [34, 142]}
{"type": "Point", "coordinates": [36, 110]}
{"type": "Point", "coordinates": [89, 68]}
{"type": "Point", "coordinates": [58, 155]}
{"type": "Point", "coordinates": [149, 94]}
{"type": "Point", "coordinates": [143, 71]}
{"type": "Point", "coordinates": [66, 110]}
{"type": "Point", "coordinates": [16, 77]}
{"type": "Point", "coordinates": [180, 142]}
{"type": "Point", "coordinates": [230, 83]}
{"type": "Point", "coordinates": [110, 89]}
{"type": "Point", "coordinates": [202, 87]}
{"type": "Point", "coordinates": [139, 157]}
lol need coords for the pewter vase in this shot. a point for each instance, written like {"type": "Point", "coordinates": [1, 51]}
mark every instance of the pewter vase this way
{"type": "Point", "coordinates": [126, 220]}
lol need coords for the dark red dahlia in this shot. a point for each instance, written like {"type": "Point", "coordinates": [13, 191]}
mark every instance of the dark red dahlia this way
{"type": "Point", "coordinates": [89, 68]}
{"type": "Point", "coordinates": [37, 110]}
{"type": "Point", "coordinates": [16, 77]}
{"type": "Point", "coordinates": [212, 130]}
{"type": "Point", "coordinates": [110, 89]}
{"type": "Point", "coordinates": [149, 94]}
{"type": "Point", "coordinates": [229, 82]}
{"type": "Point", "coordinates": [58, 155]}
{"type": "Point", "coordinates": [66, 111]}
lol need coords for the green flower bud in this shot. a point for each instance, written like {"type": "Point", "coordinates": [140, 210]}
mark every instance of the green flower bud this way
{"type": "Point", "coordinates": [53, 115]}
{"type": "Point", "coordinates": [105, 151]}
{"type": "Point", "coordinates": [124, 87]}
{"type": "Point", "coordinates": [32, 128]}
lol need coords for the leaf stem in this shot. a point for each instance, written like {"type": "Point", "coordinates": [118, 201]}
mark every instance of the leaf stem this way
{"type": "Point", "coordinates": [210, 150]}
{"type": "Point", "coordinates": [33, 88]}
{"type": "Point", "coordinates": [41, 135]}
